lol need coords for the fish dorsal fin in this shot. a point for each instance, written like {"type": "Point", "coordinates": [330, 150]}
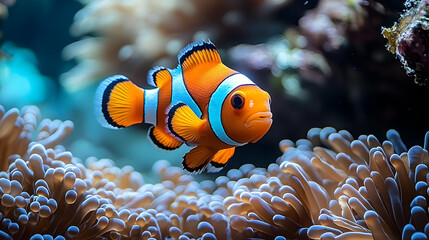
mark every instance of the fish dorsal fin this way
{"type": "Point", "coordinates": [158, 76]}
{"type": "Point", "coordinates": [198, 53]}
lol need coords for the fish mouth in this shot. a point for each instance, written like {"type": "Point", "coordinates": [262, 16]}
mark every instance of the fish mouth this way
{"type": "Point", "coordinates": [259, 117]}
{"type": "Point", "coordinates": [262, 121]}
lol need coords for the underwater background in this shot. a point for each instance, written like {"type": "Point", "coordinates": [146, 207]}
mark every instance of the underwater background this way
{"type": "Point", "coordinates": [319, 72]}
{"type": "Point", "coordinates": [356, 65]}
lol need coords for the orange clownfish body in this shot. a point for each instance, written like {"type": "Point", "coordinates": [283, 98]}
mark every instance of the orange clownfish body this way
{"type": "Point", "coordinates": [201, 103]}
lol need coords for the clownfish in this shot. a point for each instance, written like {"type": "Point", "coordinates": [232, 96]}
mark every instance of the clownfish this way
{"type": "Point", "coordinates": [201, 103]}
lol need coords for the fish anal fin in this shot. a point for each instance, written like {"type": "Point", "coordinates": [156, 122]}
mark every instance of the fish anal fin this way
{"type": "Point", "coordinates": [162, 139]}
{"type": "Point", "coordinates": [184, 124]}
{"type": "Point", "coordinates": [196, 160]}
{"type": "Point", "coordinates": [220, 159]}
{"type": "Point", "coordinates": [159, 76]}
{"type": "Point", "coordinates": [197, 53]}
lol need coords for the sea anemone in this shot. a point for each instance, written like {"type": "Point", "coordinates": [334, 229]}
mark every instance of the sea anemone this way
{"type": "Point", "coordinates": [359, 189]}
{"type": "Point", "coordinates": [42, 183]}
{"type": "Point", "coordinates": [19, 128]}
{"type": "Point", "coordinates": [328, 186]}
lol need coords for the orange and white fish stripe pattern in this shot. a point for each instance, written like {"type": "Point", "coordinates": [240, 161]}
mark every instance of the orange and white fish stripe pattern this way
{"type": "Point", "coordinates": [201, 103]}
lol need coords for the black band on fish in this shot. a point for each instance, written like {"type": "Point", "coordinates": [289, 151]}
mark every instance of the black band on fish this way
{"type": "Point", "coordinates": [170, 117]}
{"type": "Point", "coordinates": [215, 105]}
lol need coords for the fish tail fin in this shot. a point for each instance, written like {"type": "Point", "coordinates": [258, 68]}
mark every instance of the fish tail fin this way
{"type": "Point", "coordinates": [119, 103]}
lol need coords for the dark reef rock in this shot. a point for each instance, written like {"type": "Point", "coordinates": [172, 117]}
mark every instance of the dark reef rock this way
{"type": "Point", "coordinates": [409, 40]}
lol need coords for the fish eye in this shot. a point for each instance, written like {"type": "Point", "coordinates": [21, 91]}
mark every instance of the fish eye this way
{"type": "Point", "coordinates": [237, 101]}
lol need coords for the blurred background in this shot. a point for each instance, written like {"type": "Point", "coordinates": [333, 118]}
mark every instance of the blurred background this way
{"type": "Point", "coordinates": [324, 63]}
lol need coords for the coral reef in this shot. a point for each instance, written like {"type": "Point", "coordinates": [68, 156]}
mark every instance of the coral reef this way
{"type": "Point", "coordinates": [409, 40]}
{"type": "Point", "coordinates": [328, 23]}
{"type": "Point", "coordinates": [329, 186]}
{"type": "Point", "coordinates": [133, 36]}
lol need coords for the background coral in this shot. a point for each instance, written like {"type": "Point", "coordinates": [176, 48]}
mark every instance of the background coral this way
{"type": "Point", "coordinates": [131, 37]}
{"type": "Point", "coordinates": [3, 7]}
{"type": "Point", "coordinates": [328, 186]}
{"type": "Point", "coordinates": [329, 63]}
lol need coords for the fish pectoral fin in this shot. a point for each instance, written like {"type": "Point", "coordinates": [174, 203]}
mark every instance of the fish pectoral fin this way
{"type": "Point", "coordinates": [159, 76]}
{"type": "Point", "coordinates": [220, 159]}
{"type": "Point", "coordinates": [196, 160]}
{"type": "Point", "coordinates": [162, 139]}
{"type": "Point", "coordinates": [184, 124]}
